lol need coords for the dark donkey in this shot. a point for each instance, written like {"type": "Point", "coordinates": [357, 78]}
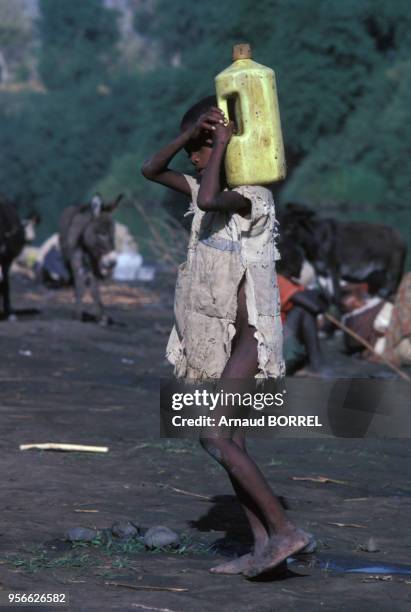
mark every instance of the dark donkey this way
{"type": "Point", "coordinates": [87, 245]}
{"type": "Point", "coordinates": [352, 251]}
{"type": "Point", "coordinates": [14, 233]}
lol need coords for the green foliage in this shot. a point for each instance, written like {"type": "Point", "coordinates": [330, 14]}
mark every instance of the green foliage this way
{"type": "Point", "coordinates": [60, 143]}
{"type": "Point", "coordinates": [57, 148]}
{"type": "Point", "coordinates": [334, 68]}
{"type": "Point", "coordinates": [321, 52]}
{"type": "Point", "coordinates": [343, 75]}
{"type": "Point", "coordinates": [367, 161]}
{"type": "Point", "coordinates": [344, 86]}
{"type": "Point", "coordinates": [78, 42]}
{"type": "Point", "coordinates": [15, 41]}
{"type": "Point", "coordinates": [14, 25]}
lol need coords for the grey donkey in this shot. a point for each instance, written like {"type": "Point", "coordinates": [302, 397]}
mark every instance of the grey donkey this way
{"type": "Point", "coordinates": [86, 234]}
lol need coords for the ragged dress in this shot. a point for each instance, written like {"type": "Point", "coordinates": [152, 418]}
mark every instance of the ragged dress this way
{"type": "Point", "coordinates": [223, 248]}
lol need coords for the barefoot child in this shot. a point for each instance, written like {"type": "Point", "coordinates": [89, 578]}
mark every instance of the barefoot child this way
{"type": "Point", "coordinates": [227, 312]}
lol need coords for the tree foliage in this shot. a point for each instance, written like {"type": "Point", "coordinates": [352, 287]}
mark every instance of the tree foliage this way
{"type": "Point", "coordinates": [343, 78]}
{"type": "Point", "coordinates": [15, 40]}
{"type": "Point", "coordinates": [343, 75]}
{"type": "Point", "coordinates": [77, 42]}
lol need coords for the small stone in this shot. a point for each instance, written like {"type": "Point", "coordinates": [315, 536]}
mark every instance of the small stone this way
{"type": "Point", "coordinates": [159, 537]}
{"type": "Point", "coordinates": [371, 546]}
{"type": "Point", "coordinates": [81, 534]}
{"type": "Point", "coordinates": [124, 529]}
{"type": "Point", "coordinates": [105, 536]}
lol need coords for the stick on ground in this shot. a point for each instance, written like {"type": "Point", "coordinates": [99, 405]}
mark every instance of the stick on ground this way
{"type": "Point", "coordinates": [143, 587]}
{"type": "Point", "coordinates": [367, 345]}
{"type": "Point", "coordinates": [65, 447]}
{"type": "Point", "coordinates": [206, 497]}
{"type": "Point", "coordinates": [322, 479]}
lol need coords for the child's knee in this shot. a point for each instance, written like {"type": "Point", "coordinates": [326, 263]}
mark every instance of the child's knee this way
{"type": "Point", "coordinates": [239, 439]}
{"type": "Point", "coordinates": [213, 448]}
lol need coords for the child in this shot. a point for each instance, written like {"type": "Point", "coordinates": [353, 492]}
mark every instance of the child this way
{"type": "Point", "coordinates": [361, 311]}
{"type": "Point", "coordinates": [299, 309]}
{"type": "Point", "coordinates": [398, 336]}
{"type": "Point", "coordinates": [227, 312]}
{"type": "Point", "coordinates": [386, 326]}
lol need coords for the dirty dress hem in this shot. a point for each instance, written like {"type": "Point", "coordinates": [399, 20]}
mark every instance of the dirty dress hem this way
{"type": "Point", "coordinates": [223, 248]}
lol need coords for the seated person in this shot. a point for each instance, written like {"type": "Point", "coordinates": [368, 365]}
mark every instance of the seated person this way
{"type": "Point", "coordinates": [386, 326]}
{"type": "Point", "coordinates": [299, 309]}
{"type": "Point", "coordinates": [367, 315]}
{"type": "Point", "coordinates": [398, 335]}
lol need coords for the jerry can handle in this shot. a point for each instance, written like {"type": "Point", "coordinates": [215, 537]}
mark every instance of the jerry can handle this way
{"type": "Point", "coordinates": [223, 105]}
{"type": "Point", "coordinates": [239, 120]}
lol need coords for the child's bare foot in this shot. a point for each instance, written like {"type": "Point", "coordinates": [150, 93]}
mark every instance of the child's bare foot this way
{"type": "Point", "coordinates": [240, 564]}
{"type": "Point", "coordinates": [277, 549]}
{"type": "Point", "coordinates": [311, 546]}
{"type": "Point", "coordinates": [236, 566]}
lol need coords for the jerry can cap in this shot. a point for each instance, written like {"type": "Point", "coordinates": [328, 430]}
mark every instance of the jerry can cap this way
{"type": "Point", "coordinates": [241, 51]}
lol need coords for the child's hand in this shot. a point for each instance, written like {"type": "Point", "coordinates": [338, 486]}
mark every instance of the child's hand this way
{"type": "Point", "coordinates": [223, 132]}
{"type": "Point", "coordinates": [207, 122]}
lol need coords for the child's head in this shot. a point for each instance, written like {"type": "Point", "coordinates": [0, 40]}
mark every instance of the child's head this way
{"type": "Point", "coordinates": [354, 295]}
{"type": "Point", "coordinates": [198, 149]}
{"type": "Point", "coordinates": [195, 111]}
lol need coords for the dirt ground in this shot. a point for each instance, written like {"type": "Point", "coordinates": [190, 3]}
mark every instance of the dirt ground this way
{"type": "Point", "coordinates": [66, 381]}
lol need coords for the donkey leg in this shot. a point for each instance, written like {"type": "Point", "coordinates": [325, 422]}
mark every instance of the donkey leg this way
{"type": "Point", "coordinates": [80, 282]}
{"type": "Point", "coordinates": [101, 316]}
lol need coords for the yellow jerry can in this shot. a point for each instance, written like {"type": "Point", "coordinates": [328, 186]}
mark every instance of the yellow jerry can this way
{"type": "Point", "coordinates": [247, 94]}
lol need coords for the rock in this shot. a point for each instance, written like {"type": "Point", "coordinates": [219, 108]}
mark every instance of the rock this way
{"type": "Point", "coordinates": [159, 536]}
{"type": "Point", "coordinates": [124, 529]}
{"type": "Point", "coordinates": [81, 534]}
{"type": "Point", "coordinates": [105, 536]}
{"type": "Point", "coordinates": [371, 546]}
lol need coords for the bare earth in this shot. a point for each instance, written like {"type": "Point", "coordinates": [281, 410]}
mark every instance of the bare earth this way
{"type": "Point", "coordinates": [65, 381]}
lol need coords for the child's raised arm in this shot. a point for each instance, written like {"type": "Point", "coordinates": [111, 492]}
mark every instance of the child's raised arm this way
{"type": "Point", "coordinates": [156, 168]}
{"type": "Point", "coordinates": [210, 195]}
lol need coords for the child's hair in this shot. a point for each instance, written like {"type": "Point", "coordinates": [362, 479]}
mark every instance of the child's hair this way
{"type": "Point", "coordinates": [196, 110]}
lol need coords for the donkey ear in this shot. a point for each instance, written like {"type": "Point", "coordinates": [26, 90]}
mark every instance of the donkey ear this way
{"type": "Point", "coordinates": [96, 204]}
{"type": "Point", "coordinates": [113, 205]}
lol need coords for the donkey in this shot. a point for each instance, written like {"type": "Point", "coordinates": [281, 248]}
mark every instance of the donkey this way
{"type": "Point", "coordinates": [352, 251]}
{"type": "Point", "coordinates": [86, 235]}
{"type": "Point", "coordinates": [14, 234]}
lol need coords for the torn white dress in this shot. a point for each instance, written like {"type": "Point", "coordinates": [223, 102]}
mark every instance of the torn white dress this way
{"type": "Point", "coordinates": [223, 247]}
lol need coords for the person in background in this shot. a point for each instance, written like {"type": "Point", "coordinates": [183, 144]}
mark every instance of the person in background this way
{"type": "Point", "coordinates": [386, 326]}
{"type": "Point", "coordinates": [361, 310]}
{"type": "Point", "coordinates": [398, 335]}
{"type": "Point", "coordinates": [299, 310]}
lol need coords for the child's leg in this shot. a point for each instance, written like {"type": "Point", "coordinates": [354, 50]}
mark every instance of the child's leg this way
{"type": "Point", "coordinates": [254, 493]}
{"type": "Point", "coordinates": [302, 324]}
{"type": "Point", "coordinates": [252, 512]}
{"type": "Point", "coordinates": [256, 521]}
{"type": "Point", "coordinates": [246, 352]}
